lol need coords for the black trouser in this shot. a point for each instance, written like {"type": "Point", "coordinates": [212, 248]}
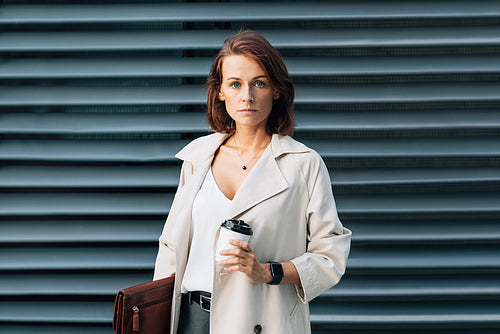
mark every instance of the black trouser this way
{"type": "Point", "coordinates": [193, 319]}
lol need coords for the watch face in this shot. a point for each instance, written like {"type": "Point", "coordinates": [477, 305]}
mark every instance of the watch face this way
{"type": "Point", "coordinates": [277, 270]}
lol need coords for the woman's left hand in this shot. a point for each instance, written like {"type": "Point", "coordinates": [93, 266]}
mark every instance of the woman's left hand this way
{"type": "Point", "coordinates": [246, 261]}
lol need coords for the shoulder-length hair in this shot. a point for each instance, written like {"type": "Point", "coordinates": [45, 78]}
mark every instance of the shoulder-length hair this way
{"type": "Point", "coordinates": [253, 46]}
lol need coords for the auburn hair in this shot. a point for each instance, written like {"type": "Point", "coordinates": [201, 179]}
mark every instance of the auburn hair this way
{"type": "Point", "coordinates": [254, 46]}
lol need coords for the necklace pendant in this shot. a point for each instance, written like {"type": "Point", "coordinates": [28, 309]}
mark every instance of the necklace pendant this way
{"type": "Point", "coordinates": [244, 167]}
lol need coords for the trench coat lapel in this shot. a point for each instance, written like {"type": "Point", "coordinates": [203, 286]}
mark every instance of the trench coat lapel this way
{"type": "Point", "coordinates": [264, 181]}
{"type": "Point", "coordinates": [200, 156]}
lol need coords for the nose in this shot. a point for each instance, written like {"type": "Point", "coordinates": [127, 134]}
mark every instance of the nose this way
{"type": "Point", "coordinates": [248, 95]}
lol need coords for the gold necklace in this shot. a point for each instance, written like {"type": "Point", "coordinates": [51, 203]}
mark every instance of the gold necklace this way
{"type": "Point", "coordinates": [244, 166]}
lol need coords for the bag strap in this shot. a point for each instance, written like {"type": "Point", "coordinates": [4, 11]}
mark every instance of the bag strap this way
{"type": "Point", "coordinates": [118, 313]}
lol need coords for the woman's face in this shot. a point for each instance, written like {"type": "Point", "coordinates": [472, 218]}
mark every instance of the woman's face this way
{"type": "Point", "coordinates": [246, 91]}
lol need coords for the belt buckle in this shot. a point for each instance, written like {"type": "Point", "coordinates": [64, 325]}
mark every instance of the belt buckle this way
{"type": "Point", "coordinates": [205, 303]}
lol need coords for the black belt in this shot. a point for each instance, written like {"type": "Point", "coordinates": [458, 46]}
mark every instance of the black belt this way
{"type": "Point", "coordinates": [200, 297]}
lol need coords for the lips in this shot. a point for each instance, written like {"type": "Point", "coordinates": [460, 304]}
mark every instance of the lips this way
{"type": "Point", "coordinates": [247, 110]}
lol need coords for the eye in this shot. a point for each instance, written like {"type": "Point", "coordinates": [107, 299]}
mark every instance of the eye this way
{"type": "Point", "coordinates": [235, 85]}
{"type": "Point", "coordinates": [260, 84]}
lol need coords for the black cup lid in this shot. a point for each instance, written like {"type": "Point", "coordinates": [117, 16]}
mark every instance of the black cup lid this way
{"type": "Point", "coordinates": [237, 225]}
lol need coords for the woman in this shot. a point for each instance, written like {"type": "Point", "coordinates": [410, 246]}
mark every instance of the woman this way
{"type": "Point", "coordinates": [251, 169]}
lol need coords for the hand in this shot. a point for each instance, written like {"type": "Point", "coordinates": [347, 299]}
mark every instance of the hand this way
{"type": "Point", "coordinates": [246, 261]}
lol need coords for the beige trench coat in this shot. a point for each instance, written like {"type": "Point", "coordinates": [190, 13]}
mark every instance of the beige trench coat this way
{"type": "Point", "coordinates": [287, 199]}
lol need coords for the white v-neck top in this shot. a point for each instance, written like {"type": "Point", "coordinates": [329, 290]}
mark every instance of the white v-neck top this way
{"type": "Point", "coordinates": [209, 211]}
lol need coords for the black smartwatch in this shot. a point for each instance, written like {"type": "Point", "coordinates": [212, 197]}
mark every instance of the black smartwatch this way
{"type": "Point", "coordinates": [276, 272]}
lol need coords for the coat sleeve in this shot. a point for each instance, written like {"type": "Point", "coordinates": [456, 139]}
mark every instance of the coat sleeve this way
{"type": "Point", "coordinates": [165, 260]}
{"type": "Point", "coordinates": [328, 244]}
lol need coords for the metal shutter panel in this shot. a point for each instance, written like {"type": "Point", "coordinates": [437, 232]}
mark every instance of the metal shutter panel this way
{"type": "Point", "coordinates": [400, 98]}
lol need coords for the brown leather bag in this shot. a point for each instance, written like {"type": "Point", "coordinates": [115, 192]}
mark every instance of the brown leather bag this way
{"type": "Point", "coordinates": [144, 308]}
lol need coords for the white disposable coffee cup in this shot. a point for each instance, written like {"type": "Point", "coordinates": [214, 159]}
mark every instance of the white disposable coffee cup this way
{"type": "Point", "coordinates": [231, 229]}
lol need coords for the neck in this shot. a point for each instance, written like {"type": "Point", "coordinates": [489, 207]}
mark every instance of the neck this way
{"type": "Point", "coordinates": [251, 140]}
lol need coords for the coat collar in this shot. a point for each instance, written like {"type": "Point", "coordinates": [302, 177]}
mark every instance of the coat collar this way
{"type": "Point", "coordinates": [202, 149]}
{"type": "Point", "coordinates": [264, 180]}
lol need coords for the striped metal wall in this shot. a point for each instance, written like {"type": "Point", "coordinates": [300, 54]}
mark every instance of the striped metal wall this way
{"type": "Point", "coordinates": [401, 98]}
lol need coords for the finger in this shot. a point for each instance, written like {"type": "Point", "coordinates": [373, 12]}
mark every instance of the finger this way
{"type": "Point", "coordinates": [234, 261]}
{"type": "Point", "coordinates": [238, 252]}
{"type": "Point", "coordinates": [242, 244]}
{"type": "Point", "coordinates": [236, 267]}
